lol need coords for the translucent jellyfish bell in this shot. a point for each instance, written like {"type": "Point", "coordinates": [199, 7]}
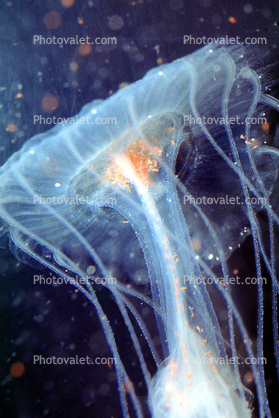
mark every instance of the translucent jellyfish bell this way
{"type": "Point", "coordinates": [160, 198]}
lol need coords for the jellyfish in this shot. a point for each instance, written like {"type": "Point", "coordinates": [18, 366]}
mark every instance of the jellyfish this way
{"type": "Point", "coordinates": [160, 199]}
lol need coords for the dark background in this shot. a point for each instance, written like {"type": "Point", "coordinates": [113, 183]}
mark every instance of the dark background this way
{"type": "Point", "coordinates": [46, 320]}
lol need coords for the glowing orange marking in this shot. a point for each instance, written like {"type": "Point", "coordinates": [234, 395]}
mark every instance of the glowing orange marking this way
{"type": "Point", "coordinates": [11, 128]}
{"type": "Point", "coordinates": [265, 126]}
{"type": "Point", "coordinates": [17, 369]}
{"type": "Point", "coordinates": [50, 102]}
{"type": "Point", "coordinates": [128, 386]}
{"type": "Point", "coordinates": [166, 405]}
{"type": "Point", "coordinates": [253, 143]}
{"type": "Point", "coordinates": [184, 356]}
{"type": "Point", "coordinates": [52, 20]}
{"type": "Point", "coordinates": [125, 222]}
{"type": "Point", "coordinates": [155, 139]}
{"type": "Point", "coordinates": [186, 323]}
{"type": "Point", "coordinates": [242, 136]}
{"type": "Point", "coordinates": [84, 49]}
{"type": "Point", "coordinates": [232, 19]}
{"type": "Point", "coordinates": [171, 268]}
{"type": "Point", "coordinates": [176, 288]}
{"type": "Point", "coordinates": [183, 346]}
{"type": "Point", "coordinates": [207, 354]}
{"type": "Point", "coordinates": [173, 367]}
{"type": "Point", "coordinates": [138, 157]}
{"type": "Point", "coordinates": [183, 288]}
{"type": "Point", "coordinates": [210, 361]}
{"type": "Point", "coordinates": [192, 314]}
{"type": "Point", "coordinates": [214, 369]}
{"type": "Point", "coordinates": [173, 143]}
{"type": "Point", "coordinates": [189, 375]}
{"type": "Point", "coordinates": [198, 328]}
{"type": "Point", "coordinates": [248, 377]}
{"type": "Point", "coordinates": [67, 3]}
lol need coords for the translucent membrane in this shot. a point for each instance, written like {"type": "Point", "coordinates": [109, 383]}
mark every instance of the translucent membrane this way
{"type": "Point", "coordinates": [141, 200]}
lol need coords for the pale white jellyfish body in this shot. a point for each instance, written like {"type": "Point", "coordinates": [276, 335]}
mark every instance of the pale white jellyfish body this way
{"type": "Point", "coordinates": [183, 134]}
{"type": "Point", "coordinates": [191, 382]}
{"type": "Point", "coordinates": [187, 388]}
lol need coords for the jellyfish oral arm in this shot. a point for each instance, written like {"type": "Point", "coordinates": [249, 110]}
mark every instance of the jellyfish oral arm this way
{"type": "Point", "coordinates": [184, 383]}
